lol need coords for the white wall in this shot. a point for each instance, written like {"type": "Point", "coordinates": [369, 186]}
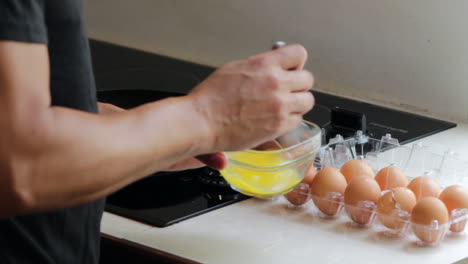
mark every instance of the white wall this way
{"type": "Point", "coordinates": [410, 54]}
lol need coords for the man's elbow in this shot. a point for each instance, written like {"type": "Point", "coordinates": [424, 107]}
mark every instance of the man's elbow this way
{"type": "Point", "coordinates": [16, 192]}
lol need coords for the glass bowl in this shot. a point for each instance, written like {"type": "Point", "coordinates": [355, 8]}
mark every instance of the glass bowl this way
{"type": "Point", "coordinates": [274, 167]}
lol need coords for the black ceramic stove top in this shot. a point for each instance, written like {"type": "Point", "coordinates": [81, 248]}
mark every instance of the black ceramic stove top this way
{"type": "Point", "coordinates": [128, 78]}
{"type": "Point", "coordinates": [166, 198]}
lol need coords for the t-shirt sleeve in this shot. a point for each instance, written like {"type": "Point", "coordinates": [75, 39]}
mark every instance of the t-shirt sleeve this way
{"type": "Point", "coordinates": [23, 20]}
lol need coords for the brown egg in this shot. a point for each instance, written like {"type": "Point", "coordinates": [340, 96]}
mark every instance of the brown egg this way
{"type": "Point", "coordinates": [356, 168]}
{"type": "Point", "coordinates": [395, 206]}
{"type": "Point", "coordinates": [426, 213]}
{"type": "Point", "coordinates": [327, 190]}
{"type": "Point", "coordinates": [310, 175]}
{"type": "Point", "coordinates": [424, 187]}
{"type": "Point", "coordinates": [360, 199]}
{"type": "Point", "coordinates": [391, 177]}
{"type": "Point", "coordinates": [456, 197]}
{"type": "Point", "coordinates": [299, 195]}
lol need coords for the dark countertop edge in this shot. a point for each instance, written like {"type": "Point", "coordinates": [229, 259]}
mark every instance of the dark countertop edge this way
{"type": "Point", "coordinates": [146, 250]}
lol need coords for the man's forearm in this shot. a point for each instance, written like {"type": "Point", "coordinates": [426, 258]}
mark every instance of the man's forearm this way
{"type": "Point", "coordinates": [78, 157]}
{"type": "Point", "coordinates": [106, 108]}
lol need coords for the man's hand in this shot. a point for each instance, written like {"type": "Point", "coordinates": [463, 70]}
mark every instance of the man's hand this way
{"type": "Point", "coordinates": [252, 101]}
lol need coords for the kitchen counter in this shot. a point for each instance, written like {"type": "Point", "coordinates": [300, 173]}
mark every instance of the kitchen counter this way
{"type": "Point", "coordinates": [265, 231]}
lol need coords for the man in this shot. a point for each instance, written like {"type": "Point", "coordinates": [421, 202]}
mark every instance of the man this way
{"type": "Point", "coordinates": [59, 158]}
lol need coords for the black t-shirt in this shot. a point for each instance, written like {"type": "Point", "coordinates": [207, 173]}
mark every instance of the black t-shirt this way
{"type": "Point", "coordinates": [70, 235]}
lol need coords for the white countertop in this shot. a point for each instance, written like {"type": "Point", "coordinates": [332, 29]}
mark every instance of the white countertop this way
{"type": "Point", "coordinates": [260, 231]}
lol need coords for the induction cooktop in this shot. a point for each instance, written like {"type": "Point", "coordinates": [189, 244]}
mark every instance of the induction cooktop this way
{"type": "Point", "coordinates": [128, 77]}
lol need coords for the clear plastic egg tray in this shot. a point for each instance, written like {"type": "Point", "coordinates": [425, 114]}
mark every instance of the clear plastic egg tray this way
{"type": "Point", "coordinates": [414, 160]}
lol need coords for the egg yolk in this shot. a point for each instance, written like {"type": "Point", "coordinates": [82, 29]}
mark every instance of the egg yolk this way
{"type": "Point", "coordinates": [260, 183]}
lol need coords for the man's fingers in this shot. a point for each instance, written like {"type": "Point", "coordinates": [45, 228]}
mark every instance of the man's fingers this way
{"type": "Point", "coordinates": [293, 122]}
{"type": "Point", "coordinates": [301, 103]}
{"type": "Point", "coordinates": [299, 81]}
{"type": "Point", "coordinates": [291, 57]}
{"type": "Point", "coordinates": [216, 160]}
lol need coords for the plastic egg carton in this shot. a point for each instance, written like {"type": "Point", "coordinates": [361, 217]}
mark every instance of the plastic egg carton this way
{"type": "Point", "coordinates": [415, 160]}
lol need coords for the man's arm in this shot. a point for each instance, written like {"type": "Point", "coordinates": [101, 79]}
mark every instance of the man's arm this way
{"type": "Point", "coordinates": [54, 157]}
{"type": "Point", "coordinates": [106, 108]}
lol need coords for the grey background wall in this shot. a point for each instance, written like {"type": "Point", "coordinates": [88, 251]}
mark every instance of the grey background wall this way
{"type": "Point", "coordinates": [411, 55]}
